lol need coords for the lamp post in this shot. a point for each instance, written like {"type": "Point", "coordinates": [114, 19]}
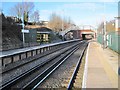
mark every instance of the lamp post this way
{"type": "Point", "coordinates": [104, 30]}
{"type": "Point", "coordinates": [62, 19]}
{"type": "Point", "coordinates": [23, 30]}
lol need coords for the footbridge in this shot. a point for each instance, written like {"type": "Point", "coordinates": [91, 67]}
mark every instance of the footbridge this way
{"type": "Point", "coordinates": [76, 32]}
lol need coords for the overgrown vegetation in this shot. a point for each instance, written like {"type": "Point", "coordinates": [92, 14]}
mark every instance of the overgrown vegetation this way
{"type": "Point", "coordinates": [11, 31]}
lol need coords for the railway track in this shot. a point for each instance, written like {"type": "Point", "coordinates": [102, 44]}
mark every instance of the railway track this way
{"type": "Point", "coordinates": [74, 80]}
{"type": "Point", "coordinates": [16, 71]}
{"type": "Point", "coordinates": [69, 74]}
{"type": "Point", "coordinates": [29, 60]}
{"type": "Point", "coordinates": [14, 83]}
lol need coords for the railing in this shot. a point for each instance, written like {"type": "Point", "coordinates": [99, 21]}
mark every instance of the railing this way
{"type": "Point", "coordinates": [26, 53]}
{"type": "Point", "coordinates": [112, 40]}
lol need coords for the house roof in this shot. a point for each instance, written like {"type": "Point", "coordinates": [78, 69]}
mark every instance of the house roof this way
{"type": "Point", "coordinates": [39, 28]}
{"type": "Point", "coordinates": [32, 26]}
{"type": "Point", "coordinates": [87, 30]}
{"type": "Point", "coordinates": [44, 29]}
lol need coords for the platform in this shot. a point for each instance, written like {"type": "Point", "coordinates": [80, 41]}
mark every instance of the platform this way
{"type": "Point", "coordinates": [21, 50]}
{"type": "Point", "coordinates": [101, 67]}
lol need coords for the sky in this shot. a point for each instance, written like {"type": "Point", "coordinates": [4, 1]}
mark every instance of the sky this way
{"type": "Point", "coordinates": [80, 12]}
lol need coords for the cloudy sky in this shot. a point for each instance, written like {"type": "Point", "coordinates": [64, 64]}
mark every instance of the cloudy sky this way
{"type": "Point", "coordinates": [81, 12]}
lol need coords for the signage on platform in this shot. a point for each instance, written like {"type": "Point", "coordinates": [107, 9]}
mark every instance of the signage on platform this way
{"type": "Point", "coordinates": [25, 31]}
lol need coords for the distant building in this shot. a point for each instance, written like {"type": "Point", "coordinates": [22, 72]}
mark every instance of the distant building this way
{"type": "Point", "coordinates": [117, 23]}
{"type": "Point", "coordinates": [37, 34]}
{"type": "Point", "coordinates": [109, 34]}
{"type": "Point", "coordinates": [41, 23]}
{"type": "Point", "coordinates": [110, 26]}
{"type": "Point", "coordinates": [44, 23]}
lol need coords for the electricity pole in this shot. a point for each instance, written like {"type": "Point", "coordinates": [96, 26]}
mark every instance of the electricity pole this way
{"type": "Point", "coordinates": [104, 30]}
{"type": "Point", "coordinates": [62, 19]}
{"type": "Point", "coordinates": [23, 29]}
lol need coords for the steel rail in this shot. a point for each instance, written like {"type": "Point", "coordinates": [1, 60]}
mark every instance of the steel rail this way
{"type": "Point", "coordinates": [41, 77]}
{"type": "Point", "coordinates": [31, 60]}
{"type": "Point", "coordinates": [8, 84]}
{"type": "Point", "coordinates": [69, 87]}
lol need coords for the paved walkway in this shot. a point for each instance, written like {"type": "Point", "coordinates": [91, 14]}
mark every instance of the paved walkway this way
{"type": "Point", "coordinates": [101, 70]}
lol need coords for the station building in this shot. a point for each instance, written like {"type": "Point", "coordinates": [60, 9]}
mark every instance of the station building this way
{"type": "Point", "coordinates": [37, 34]}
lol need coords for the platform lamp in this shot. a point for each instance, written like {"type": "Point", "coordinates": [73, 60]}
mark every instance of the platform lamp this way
{"type": "Point", "coordinates": [23, 29]}
{"type": "Point", "coordinates": [104, 30]}
{"type": "Point", "coordinates": [62, 19]}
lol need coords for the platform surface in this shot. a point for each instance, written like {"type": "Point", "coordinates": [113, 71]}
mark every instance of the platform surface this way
{"type": "Point", "coordinates": [102, 67]}
{"type": "Point", "coordinates": [21, 50]}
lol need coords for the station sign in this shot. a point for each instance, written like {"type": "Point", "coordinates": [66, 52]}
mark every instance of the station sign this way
{"type": "Point", "coordinates": [25, 31]}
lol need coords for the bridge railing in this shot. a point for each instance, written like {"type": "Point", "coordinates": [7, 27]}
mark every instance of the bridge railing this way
{"type": "Point", "coordinates": [32, 52]}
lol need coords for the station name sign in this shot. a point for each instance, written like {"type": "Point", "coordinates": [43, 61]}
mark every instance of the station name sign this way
{"type": "Point", "coordinates": [25, 31]}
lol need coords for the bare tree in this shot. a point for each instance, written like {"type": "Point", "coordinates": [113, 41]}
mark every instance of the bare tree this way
{"type": "Point", "coordinates": [67, 22]}
{"type": "Point", "coordinates": [100, 28]}
{"type": "Point", "coordinates": [109, 27]}
{"type": "Point", "coordinates": [35, 16]}
{"type": "Point", "coordinates": [17, 10]}
{"type": "Point", "coordinates": [28, 6]}
{"type": "Point", "coordinates": [57, 23]}
{"type": "Point", "coordinates": [22, 7]}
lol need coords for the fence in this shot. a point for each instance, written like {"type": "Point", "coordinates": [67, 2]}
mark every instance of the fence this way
{"type": "Point", "coordinates": [112, 40]}
{"type": "Point", "coordinates": [100, 38]}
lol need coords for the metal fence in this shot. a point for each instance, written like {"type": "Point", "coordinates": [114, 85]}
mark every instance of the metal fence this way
{"type": "Point", "coordinates": [100, 38]}
{"type": "Point", "coordinates": [112, 40]}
